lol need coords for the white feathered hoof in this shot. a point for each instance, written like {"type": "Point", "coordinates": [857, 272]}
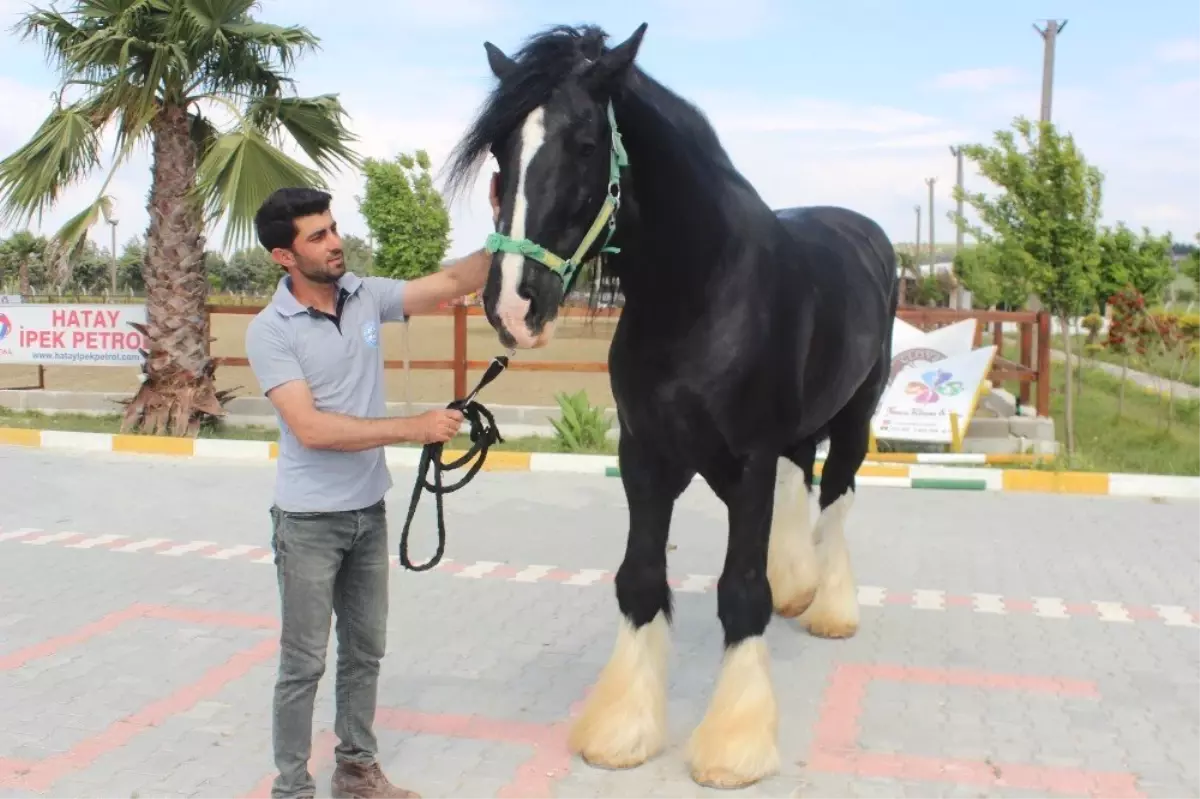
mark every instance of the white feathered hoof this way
{"type": "Point", "coordinates": [624, 719]}
{"type": "Point", "coordinates": [736, 744]}
{"type": "Point", "coordinates": [834, 610]}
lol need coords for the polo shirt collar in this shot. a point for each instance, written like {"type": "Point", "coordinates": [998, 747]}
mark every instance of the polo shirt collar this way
{"type": "Point", "coordinates": [286, 303]}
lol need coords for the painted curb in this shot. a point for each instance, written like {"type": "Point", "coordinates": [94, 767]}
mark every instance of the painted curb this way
{"type": "Point", "coordinates": [937, 471]}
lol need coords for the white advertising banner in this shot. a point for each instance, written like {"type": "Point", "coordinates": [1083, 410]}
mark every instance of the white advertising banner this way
{"type": "Point", "coordinates": [912, 346]}
{"type": "Point", "coordinates": [918, 404]}
{"type": "Point", "coordinates": [10, 299]}
{"type": "Point", "coordinates": [62, 335]}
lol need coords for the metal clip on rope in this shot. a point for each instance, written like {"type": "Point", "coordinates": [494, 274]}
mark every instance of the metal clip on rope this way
{"type": "Point", "coordinates": [483, 435]}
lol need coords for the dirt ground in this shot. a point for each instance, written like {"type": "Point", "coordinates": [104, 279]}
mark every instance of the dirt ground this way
{"type": "Point", "coordinates": [431, 338]}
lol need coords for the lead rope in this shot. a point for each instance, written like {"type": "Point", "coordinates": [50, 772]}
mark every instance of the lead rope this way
{"type": "Point", "coordinates": [483, 435]}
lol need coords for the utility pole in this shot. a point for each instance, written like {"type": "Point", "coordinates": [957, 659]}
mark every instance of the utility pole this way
{"type": "Point", "coordinates": [917, 244]}
{"type": "Point", "coordinates": [932, 252]}
{"type": "Point", "coordinates": [958, 181]}
{"type": "Point", "coordinates": [1049, 36]}
{"type": "Point", "coordinates": [957, 152]}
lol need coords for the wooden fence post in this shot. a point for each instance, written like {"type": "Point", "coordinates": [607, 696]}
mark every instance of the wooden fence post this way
{"type": "Point", "coordinates": [1026, 357]}
{"type": "Point", "coordinates": [1043, 363]}
{"type": "Point", "coordinates": [460, 351]}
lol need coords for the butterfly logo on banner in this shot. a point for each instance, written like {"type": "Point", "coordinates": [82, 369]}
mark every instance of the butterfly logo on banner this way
{"type": "Point", "coordinates": [934, 385]}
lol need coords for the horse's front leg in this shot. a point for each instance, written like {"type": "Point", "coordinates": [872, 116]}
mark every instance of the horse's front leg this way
{"type": "Point", "coordinates": [736, 742]}
{"type": "Point", "coordinates": [624, 719]}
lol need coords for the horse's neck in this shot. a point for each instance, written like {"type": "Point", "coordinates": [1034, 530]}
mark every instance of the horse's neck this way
{"type": "Point", "coordinates": [689, 224]}
{"type": "Point", "coordinates": [693, 220]}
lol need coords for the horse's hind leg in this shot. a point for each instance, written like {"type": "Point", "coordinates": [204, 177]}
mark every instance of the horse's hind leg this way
{"type": "Point", "coordinates": [834, 610]}
{"type": "Point", "coordinates": [736, 742]}
{"type": "Point", "coordinates": [792, 568]}
{"type": "Point", "coordinates": [623, 722]}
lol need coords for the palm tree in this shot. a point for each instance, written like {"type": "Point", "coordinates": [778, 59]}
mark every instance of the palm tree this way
{"type": "Point", "coordinates": [21, 249]}
{"type": "Point", "coordinates": [147, 67]}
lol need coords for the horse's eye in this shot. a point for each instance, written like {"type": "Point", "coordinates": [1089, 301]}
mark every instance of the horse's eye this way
{"type": "Point", "coordinates": [586, 149]}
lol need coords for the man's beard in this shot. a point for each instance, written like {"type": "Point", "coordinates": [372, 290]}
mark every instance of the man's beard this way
{"type": "Point", "coordinates": [322, 273]}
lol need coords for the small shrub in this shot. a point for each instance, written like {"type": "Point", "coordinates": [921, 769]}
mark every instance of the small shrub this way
{"type": "Point", "coordinates": [583, 427]}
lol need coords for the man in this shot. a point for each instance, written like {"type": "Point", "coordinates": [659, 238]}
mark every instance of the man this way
{"type": "Point", "coordinates": [316, 353]}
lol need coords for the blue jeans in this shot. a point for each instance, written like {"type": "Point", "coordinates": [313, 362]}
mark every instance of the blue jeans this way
{"type": "Point", "coordinates": [328, 563]}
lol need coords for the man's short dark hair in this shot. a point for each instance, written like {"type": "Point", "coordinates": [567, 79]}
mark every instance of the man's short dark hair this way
{"type": "Point", "coordinates": [274, 221]}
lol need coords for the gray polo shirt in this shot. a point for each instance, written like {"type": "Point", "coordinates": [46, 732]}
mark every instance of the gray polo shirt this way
{"type": "Point", "coordinates": [343, 365]}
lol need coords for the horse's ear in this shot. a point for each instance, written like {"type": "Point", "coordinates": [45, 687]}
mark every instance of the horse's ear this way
{"type": "Point", "coordinates": [613, 64]}
{"type": "Point", "coordinates": [500, 63]}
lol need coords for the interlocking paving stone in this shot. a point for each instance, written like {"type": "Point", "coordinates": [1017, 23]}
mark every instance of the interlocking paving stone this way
{"type": "Point", "coordinates": [1080, 685]}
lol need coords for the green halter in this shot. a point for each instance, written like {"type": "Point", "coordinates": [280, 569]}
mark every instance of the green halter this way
{"type": "Point", "coordinates": [566, 269]}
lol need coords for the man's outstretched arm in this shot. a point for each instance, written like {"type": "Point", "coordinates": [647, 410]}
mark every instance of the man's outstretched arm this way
{"type": "Point", "coordinates": [317, 429]}
{"type": "Point", "coordinates": [278, 372]}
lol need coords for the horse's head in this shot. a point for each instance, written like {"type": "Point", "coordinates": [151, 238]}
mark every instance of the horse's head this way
{"type": "Point", "coordinates": [549, 126]}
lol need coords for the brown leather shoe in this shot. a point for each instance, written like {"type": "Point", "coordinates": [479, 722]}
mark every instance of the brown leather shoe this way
{"type": "Point", "coordinates": [352, 781]}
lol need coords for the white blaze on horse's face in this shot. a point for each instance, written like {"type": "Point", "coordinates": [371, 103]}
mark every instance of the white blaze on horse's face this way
{"type": "Point", "coordinates": [511, 307]}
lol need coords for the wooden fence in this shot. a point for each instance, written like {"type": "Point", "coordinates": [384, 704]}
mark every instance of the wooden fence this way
{"type": "Point", "coordinates": [1034, 335]}
{"type": "Point", "coordinates": [1034, 330]}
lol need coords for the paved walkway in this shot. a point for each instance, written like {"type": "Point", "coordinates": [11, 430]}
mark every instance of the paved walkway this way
{"type": "Point", "coordinates": [1148, 381]}
{"type": "Point", "coordinates": [1011, 645]}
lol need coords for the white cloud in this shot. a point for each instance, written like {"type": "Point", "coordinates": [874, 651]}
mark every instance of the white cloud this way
{"type": "Point", "coordinates": [981, 79]}
{"type": "Point", "coordinates": [1179, 50]}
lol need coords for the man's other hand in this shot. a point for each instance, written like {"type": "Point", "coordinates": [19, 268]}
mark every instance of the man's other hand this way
{"type": "Point", "coordinates": [436, 426]}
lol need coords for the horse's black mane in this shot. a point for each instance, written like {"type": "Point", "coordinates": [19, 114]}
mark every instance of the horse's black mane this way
{"type": "Point", "coordinates": [543, 62]}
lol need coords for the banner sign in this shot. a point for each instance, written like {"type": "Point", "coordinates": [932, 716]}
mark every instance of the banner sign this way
{"type": "Point", "coordinates": [62, 335]}
{"type": "Point", "coordinates": [918, 403]}
{"type": "Point", "coordinates": [11, 299]}
{"type": "Point", "coordinates": [912, 346]}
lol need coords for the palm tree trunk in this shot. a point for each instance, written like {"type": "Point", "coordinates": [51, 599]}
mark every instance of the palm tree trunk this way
{"type": "Point", "coordinates": [179, 386]}
{"type": "Point", "coordinates": [23, 276]}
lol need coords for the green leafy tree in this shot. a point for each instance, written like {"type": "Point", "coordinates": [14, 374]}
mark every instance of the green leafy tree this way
{"type": "Point", "coordinates": [1046, 215]}
{"type": "Point", "coordinates": [994, 275]}
{"type": "Point", "coordinates": [145, 68]}
{"type": "Point", "coordinates": [1126, 259]}
{"type": "Point", "coordinates": [406, 215]}
{"type": "Point", "coordinates": [89, 270]}
{"type": "Point", "coordinates": [247, 271]}
{"type": "Point", "coordinates": [358, 255]}
{"type": "Point", "coordinates": [1190, 266]}
{"type": "Point", "coordinates": [129, 267]}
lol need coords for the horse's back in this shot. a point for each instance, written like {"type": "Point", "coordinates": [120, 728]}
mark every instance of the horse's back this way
{"type": "Point", "coordinates": [832, 237]}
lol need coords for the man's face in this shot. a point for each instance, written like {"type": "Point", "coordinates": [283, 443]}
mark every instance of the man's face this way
{"type": "Point", "coordinates": [316, 251]}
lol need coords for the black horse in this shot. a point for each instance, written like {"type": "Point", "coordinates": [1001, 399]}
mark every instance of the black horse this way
{"type": "Point", "coordinates": [748, 336]}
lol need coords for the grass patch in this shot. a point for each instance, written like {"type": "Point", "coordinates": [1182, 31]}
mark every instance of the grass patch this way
{"type": "Point", "coordinates": [1138, 442]}
{"type": "Point", "coordinates": [111, 423]}
{"type": "Point", "coordinates": [1157, 364]}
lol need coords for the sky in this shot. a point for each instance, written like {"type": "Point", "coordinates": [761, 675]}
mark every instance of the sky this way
{"type": "Point", "coordinates": [852, 103]}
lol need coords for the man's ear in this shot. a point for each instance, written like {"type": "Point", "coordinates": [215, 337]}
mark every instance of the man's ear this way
{"type": "Point", "coordinates": [500, 63]}
{"type": "Point", "coordinates": [283, 257]}
{"type": "Point", "coordinates": [609, 68]}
